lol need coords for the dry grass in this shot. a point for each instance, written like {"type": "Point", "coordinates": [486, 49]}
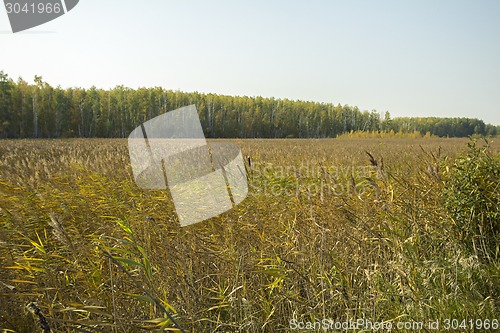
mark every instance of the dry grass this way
{"type": "Point", "coordinates": [324, 233]}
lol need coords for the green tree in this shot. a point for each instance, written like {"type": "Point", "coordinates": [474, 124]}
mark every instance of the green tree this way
{"type": "Point", "coordinates": [6, 110]}
{"type": "Point", "coordinates": [387, 123]}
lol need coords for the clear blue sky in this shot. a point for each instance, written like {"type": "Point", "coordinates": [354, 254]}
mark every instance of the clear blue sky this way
{"type": "Point", "coordinates": [411, 58]}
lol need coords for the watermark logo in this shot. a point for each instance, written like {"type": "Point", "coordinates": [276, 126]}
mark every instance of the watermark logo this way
{"type": "Point", "coordinates": [171, 151]}
{"type": "Point", "coordinates": [26, 14]}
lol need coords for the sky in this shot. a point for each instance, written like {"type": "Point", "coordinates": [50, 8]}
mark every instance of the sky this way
{"type": "Point", "coordinates": [411, 58]}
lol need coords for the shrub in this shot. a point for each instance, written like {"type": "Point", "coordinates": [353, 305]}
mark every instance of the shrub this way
{"type": "Point", "coordinates": [472, 197]}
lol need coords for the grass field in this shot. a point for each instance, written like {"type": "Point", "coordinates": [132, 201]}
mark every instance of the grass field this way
{"type": "Point", "coordinates": [326, 231]}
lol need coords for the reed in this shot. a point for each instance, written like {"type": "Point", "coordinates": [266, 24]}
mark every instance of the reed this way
{"type": "Point", "coordinates": [327, 231]}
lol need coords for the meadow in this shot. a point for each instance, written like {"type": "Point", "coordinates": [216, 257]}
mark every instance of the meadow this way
{"type": "Point", "coordinates": [347, 229]}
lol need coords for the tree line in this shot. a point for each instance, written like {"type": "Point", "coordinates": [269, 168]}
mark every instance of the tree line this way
{"type": "Point", "coordinates": [39, 110]}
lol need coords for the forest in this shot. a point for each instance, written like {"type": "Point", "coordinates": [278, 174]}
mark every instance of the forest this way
{"type": "Point", "coordinates": [40, 110]}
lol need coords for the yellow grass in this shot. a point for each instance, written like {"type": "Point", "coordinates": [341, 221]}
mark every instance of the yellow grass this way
{"type": "Point", "coordinates": [323, 233]}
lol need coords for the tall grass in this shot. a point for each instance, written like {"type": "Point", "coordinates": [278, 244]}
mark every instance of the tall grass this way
{"type": "Point", "coordinates": [327, 231]}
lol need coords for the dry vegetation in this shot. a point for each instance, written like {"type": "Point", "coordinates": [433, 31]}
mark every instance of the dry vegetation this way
{"type": "Point", "coordinates": [327, 231]}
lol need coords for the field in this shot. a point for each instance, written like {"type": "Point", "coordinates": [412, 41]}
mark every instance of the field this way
{"type": "Point", "coordinates": [327, 231]}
